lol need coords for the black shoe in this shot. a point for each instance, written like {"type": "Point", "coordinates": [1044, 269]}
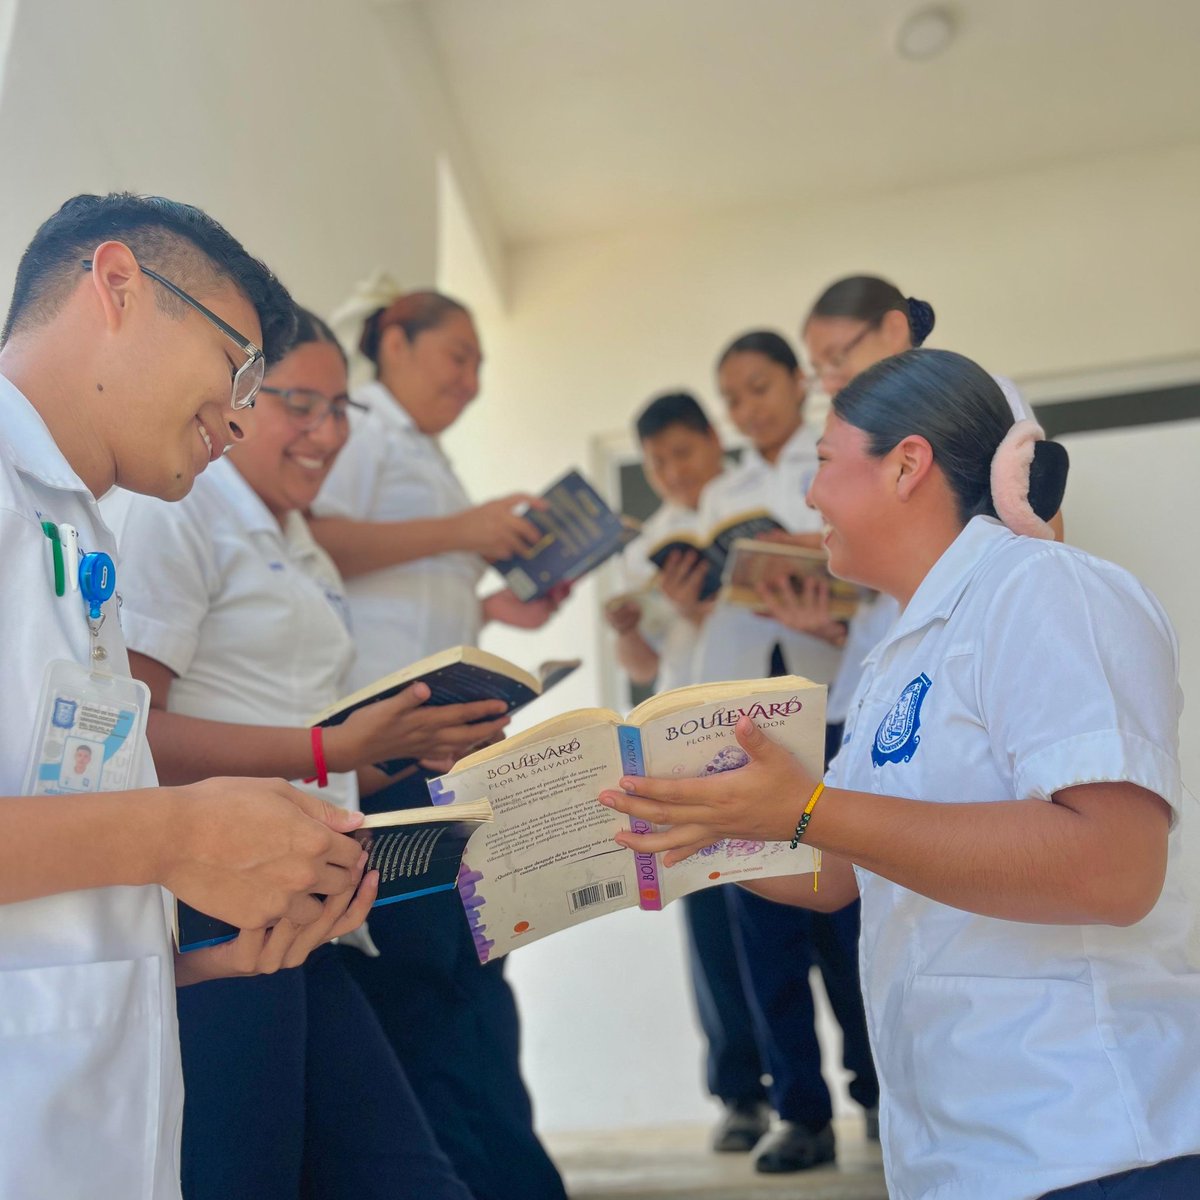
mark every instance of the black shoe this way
{"type": "Point", "coordinates": [792, 1147]}
{"type": "Point", "coordinates": [740, 1129]}
{"type": "Point", "coordinates": [872, 1118]}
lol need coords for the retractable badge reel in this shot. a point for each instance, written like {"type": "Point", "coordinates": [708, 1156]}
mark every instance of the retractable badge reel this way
{"type": "Point", "coordinates": [89, 730]}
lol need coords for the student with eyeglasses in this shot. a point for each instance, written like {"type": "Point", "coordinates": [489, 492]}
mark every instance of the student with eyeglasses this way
{"type": "Point", "coordinates": [236, 621]}
{"type": "Point", "coordinates": [111, 376]}
{"type": "Point", "coordinates": [396, 519]}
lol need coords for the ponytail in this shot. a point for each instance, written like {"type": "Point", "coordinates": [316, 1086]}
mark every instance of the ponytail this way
{"type": "Point", "coordinates": [869, 298]}
{"type": "Point", "coordinates": [994, 467]}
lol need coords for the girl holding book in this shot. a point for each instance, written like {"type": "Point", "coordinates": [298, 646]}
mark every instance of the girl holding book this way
{"type": "Point", "coordinates": [395, 518]}
{"type": "Point", "coordinates": [855, 323]}
{"type": "Point", "coordinates": [235, 621]}
{"type": "Point", "coordinates": [763, 387]}
{"type": "Point", "coordinates": [1007, 802]}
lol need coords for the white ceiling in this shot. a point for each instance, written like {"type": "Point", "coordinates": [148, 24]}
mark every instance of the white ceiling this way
{"type": "Point", "coordinates": [599, 114]}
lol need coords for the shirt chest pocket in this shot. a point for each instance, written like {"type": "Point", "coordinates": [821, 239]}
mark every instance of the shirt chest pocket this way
{"type": "Point", "coordinates": [81, 1047]}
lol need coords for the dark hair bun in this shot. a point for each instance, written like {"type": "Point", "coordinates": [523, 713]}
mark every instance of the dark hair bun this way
{"type": "Point", "coordinates": [920, 320]}
{"type": "Point", "coordinates": [1048, 478]}
{"type": "Point", "coordinates": [368, 343]}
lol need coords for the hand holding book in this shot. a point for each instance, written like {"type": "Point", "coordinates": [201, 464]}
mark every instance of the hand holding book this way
{"type": "Point", "coordinates": [497, 530]}
{"type": "Point", "coordinates": [756, 800]}
{"type": "Point", "coordinates": [402, 727]}
{"type": "Point", "coordinates": [284, 944]}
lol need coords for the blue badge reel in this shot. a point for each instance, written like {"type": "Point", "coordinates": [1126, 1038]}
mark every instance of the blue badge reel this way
{"type": "Point", "coordinates": [897, 738]}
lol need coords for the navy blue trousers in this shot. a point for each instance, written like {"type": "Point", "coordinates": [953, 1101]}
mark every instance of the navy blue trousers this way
{"type": "Point", "coordinates": [454, 1026]}
{"type": "Point", "coordinates": [292, 1093]}
{"type": "Point", "coordinates": [1175, 1179]}
{"type": "Point", "coordinates": [734, 1067]}
{"type": "Point", "coordinates": [779, 944]}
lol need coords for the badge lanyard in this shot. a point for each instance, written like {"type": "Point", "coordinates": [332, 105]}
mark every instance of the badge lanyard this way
{"type": "Point", "coordinates": [89, 725]}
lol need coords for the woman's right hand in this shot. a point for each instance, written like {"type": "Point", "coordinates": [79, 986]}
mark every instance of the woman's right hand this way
{"type": "Point", "coordinates": [623, 616]}
{"type": "Point", "coordinates": [401, 727]}
{"type": "Point", "coordinates": [253, 852]}
{"type": "Point", "coordinates": [495, 529]}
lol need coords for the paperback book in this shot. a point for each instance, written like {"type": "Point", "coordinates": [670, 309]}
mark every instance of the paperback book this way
{"type": "Point", "coordinates": [548, 861]}
{"type": "Point", "coordinates": [714, 548]}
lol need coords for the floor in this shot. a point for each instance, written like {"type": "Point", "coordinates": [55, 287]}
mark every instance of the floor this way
{"type": "Point", "coordinates": [675, 1164]}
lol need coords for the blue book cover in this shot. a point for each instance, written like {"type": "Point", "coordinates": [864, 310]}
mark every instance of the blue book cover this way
{"type": "Point", "coordinates": [579, 532]}
{"type": "Point", "coordinates": [459, 675]}
{"type": "Point", "coordinates": [417, 852]}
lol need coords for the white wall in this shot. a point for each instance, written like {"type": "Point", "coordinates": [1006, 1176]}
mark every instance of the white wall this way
{"type": "Point", "coordinates": [1085, 266]}
{"type": "Point", "coordinates": [312, 130]}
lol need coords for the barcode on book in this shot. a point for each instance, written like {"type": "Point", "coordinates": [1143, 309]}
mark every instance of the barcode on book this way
{"type": "Point", "coordinates": [596, 893]}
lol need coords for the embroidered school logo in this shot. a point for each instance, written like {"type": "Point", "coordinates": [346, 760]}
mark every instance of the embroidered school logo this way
{"type": "Point", "coordinates": [897, 739]}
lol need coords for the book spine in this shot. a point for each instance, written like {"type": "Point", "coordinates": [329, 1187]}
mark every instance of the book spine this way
{"type": "Point", "coordinates": [633, 762]}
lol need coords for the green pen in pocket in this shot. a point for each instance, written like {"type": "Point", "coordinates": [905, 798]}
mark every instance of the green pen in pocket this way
{"type": "Point", "coordinates": [60, 574]}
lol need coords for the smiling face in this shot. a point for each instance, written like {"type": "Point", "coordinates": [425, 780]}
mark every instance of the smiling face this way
{"type": "Point", "coordinates": [679, 461]}
{"type": "Point", "coordinates": [436, 375]}
{"type": "Point", "coordinates": [851, 492]}
{"type": "Point", "coordinates": [173, 376]}
{"type": "Point", "coordinates": [765, 400]}
{"type": "Point", "coordinates": [285, 464]}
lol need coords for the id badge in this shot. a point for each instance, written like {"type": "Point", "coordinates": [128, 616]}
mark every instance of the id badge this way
{"type": "Point", "coordinates": [89, 732]}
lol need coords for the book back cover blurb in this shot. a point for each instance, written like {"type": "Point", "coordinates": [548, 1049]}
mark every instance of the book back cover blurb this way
{"type": "Point", "coordinates": [579, 532]}
{"type": "Point", "coordinates": [549, 861]}
{"type": "Point", "coordinates": [415, 860]}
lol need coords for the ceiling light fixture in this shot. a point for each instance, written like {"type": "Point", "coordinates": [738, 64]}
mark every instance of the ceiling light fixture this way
{"type": "Point", "coordinates": [925, 33]}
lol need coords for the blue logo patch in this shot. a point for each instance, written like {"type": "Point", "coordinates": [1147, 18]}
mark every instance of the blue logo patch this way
{"type": "Point", "coordinates": [64, 713]}
{"type": "Point", "coordinates": [897, 739]}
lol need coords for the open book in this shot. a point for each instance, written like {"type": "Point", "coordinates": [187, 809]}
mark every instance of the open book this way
{"type": "Point", "coordinates": [753, 561]}
{"type": "Point", "coordinates": [455, 676]}
{"type": "Point", "coordinates": [549, 860]}
{"type": "Point", "coordinates": [579, 532]}
{"type": "Point", "coordinates": [417, 851]}
{"type": "Point", "coordinates": [714, 549]}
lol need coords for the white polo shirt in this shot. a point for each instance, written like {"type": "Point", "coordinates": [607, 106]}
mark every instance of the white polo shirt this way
{"type": "Point", "coordinates": [735, 643]}
{"type": "Point", "coordinates": [391, 471]}
{"type": "Point", "coordinates": [672, 635]}
{"type": "Point", "coordinates": [876, 617]}
{"type": "Point", "coordinates": [1018, 1058]}
{"type": "Point", "coordinates": [91, 1094]}
{"type": "Point", "coordinates": [250, 616]}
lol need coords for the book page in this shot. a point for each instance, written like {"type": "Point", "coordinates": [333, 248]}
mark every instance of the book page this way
{"type": "Point", "coordinates": [699, 740]}
{"type": "Point", "coordinates": [548, 861]}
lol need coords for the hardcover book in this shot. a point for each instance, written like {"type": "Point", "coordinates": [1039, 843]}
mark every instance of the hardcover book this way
{"type": "Point", "coordinates": [455, 676]}
{"type": "Point", "coordinates": [579, 532]}
{"type": "Point", "coordinates": [417, 851]}
{"type": "Point", "coordinates": [714, 548]}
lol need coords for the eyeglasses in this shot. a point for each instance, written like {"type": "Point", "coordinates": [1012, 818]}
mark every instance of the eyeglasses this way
{"type": "Point", "coordinates": [247, 379]}
{"type": "Point", "coordinates": [309, 408]}
{"type": "Point", "coordinates": [836, 361]}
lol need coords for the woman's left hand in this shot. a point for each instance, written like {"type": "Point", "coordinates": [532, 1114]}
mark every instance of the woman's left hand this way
{"type": "Point", "coordinates": [760, 801]}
